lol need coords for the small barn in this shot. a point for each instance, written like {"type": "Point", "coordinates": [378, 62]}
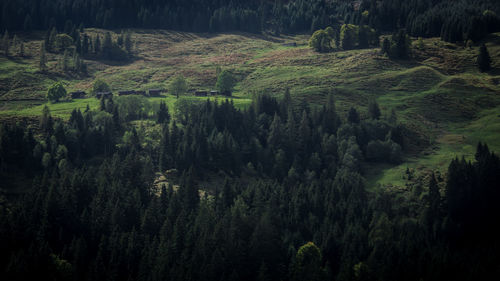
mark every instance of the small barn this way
{"type": "Point", "coordinates": [143, 93]}
{"type": "Point", "coordinates": [105, 95]}
{"type": "Point", "coordinates": [154, 92]}
{"type": "Point", "coordinates": [214, 93]}
{"type": "Point", "coordinates": [126, 93]}
{"type": "Point", "coordinates": [201, 93]}
{"type": "Point", "coordinates": [77, 95]}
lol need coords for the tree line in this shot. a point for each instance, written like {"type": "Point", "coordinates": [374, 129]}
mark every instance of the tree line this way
{"type": "Point", "coordinates": [452, 20]}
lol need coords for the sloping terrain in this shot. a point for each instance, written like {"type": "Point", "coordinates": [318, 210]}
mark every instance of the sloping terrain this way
{"type": "Point", "coordinates": [439, 94]}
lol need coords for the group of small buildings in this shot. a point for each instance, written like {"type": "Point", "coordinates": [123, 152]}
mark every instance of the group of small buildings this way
{"type": "Point", "coordinates": [211, 93]}
{"type": "Point", "coordinates": [99, 95]}
{"type": "Point", "coordinates": [149, 93]}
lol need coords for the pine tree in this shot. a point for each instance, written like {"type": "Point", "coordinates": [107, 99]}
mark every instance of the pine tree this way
{"type": "Point", "coordinates": [52, 39]}
{"type": "Point", "coordinates": [97, 45]}
{"type": "Point", "coordinates": [6, 43]}
{"type": "Point", "coordinates": [386, 46]}
{"type": "Point", "coordinates": [21, 50]}
{"type": "Point", "coordinates": [43, 58]}
{"type": "Point", "coordinates": [128, 43]}
{"type": "Point", "coordinates": [374, 110]}
{"type": "Point", "coordinates": [163, 114]}
{"type": "Point", "coordinates": [65, 61]}
{"type": "Point", "coordinates": [85, 45]}
{"type": "Point", "coordinates": [484, 60]}
{"type": "Point", "coordinates": [353, 116]}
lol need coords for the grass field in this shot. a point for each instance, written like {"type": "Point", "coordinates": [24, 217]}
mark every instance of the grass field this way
{"type": "Point", "coordinates": [439, 94]}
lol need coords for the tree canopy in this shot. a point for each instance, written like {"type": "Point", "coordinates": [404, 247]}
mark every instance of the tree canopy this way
{"type": "Point", "coordinates": [56, 92]}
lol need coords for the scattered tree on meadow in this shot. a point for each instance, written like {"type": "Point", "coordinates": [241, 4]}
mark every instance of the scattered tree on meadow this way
{"type": "Point", "coordinates": [386, 46]}
{"type": "Point", "coordinates": [21, 50]}
{"type": "Point", "coordinates": [100, 86]}
{"type": "Point", "coordinates": [398, 46]}
{"type": "Point", "coordinates": [128, 42]}
{"type": "Point", "coordinates": [5, 43]}
{"type": "Point", "coordinates": [321, 40]}
{"type": "Point", "coordinates": [56, 92]}
{"type": "Point", "coordinates": [52, 39]}
{"type": "Point", "coordinates": [178, 86]}
{"type": "Point", "coordinates": [65, 61]}
{"type": "Point", "coordinates": [348, 36]}
{"type": "Point", "coordinates": [42, 64]}
{"type": "Point", "coordinates": [483, 59]}
{"type": "Point", "coordinates": [225, 83]}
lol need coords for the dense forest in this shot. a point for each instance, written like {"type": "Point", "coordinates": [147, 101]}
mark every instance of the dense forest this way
{"type": "Point", "coordinates": [284, 199]}
{"type": "Point", "coordinates": [454, 21]}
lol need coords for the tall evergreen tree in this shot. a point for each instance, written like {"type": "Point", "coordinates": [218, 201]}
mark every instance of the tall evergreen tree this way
{"type": "Point", "coordinates": [42, 64]}
{"type": "Point", "coordinates": [484, 60]}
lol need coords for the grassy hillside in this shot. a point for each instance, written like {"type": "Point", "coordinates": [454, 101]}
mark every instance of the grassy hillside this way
{"type": "Point", "coordinates": [439, 94]}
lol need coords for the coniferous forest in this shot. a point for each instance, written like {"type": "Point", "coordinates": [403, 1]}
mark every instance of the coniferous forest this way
{"type": "Point", "coordinates": [292, 174]}
{"type": "Point", "coordinates": [451, 20]}
{"type": "Point", "coordinates": [219, 178]}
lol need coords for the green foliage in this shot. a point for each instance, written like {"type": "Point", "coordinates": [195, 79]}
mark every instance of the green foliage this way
{"type": "Point", "coordinates": [321, 39]}
{"type": "Point", "coordinates": [348, 35]}
{"type": "Point", "coordinates": [100, 86]}
{"type": "Point", "coordinates": [400, 45]}
{"type": "Point", "coordinates": [225, 83]}
{"type": "Point", "coordinates": [307, 265]}
{"type": "Point", "coordinates": [56, 92]}
{"type": "Point", "coordinates": [178, 86]}
{"type": "Point", "coordinates": [42, 63]}
{"type": "Point", "coordinates": [63, 42]}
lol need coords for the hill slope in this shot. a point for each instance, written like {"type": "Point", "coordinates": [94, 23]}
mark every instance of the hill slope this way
{"type": "Point", "coordinates": [439, 94]}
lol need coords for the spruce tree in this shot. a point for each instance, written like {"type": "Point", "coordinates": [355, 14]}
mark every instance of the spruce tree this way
{"type": "Point", "coordinates": [374, 110]}
{"type": "Point", "coordinates": [52, 39]}
{"type": "Point", "coordinates": [21, 49]}
{"type": "Point", "coordinates": [43, 58]}
{"type": "Point", "coordinates": [353, 116]}
{"type": "Point", "coordinates": [5, 43]}
{"type": "Point", "coordinates": [65, 61]}
{"type": "Point", "coordinates": [163, 115]}
{"type": "Point", "coordinates": [484, 60]}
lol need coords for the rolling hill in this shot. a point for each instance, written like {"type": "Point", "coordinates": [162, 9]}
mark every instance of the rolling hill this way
{"type": "Point", "coordinates": [439, 95]}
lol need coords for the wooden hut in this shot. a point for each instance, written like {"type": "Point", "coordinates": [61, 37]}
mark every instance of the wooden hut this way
{"type": "Point", "coordinates": [201, 93]}
{"type": "Point", "coordinates": [105, 95]}
{"type": "Point", "coordinates": [77, 95]}
{"type": "Point", "coordinates": [154, 92]}
{"type": "Point", "coordinates": [126, 93]}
